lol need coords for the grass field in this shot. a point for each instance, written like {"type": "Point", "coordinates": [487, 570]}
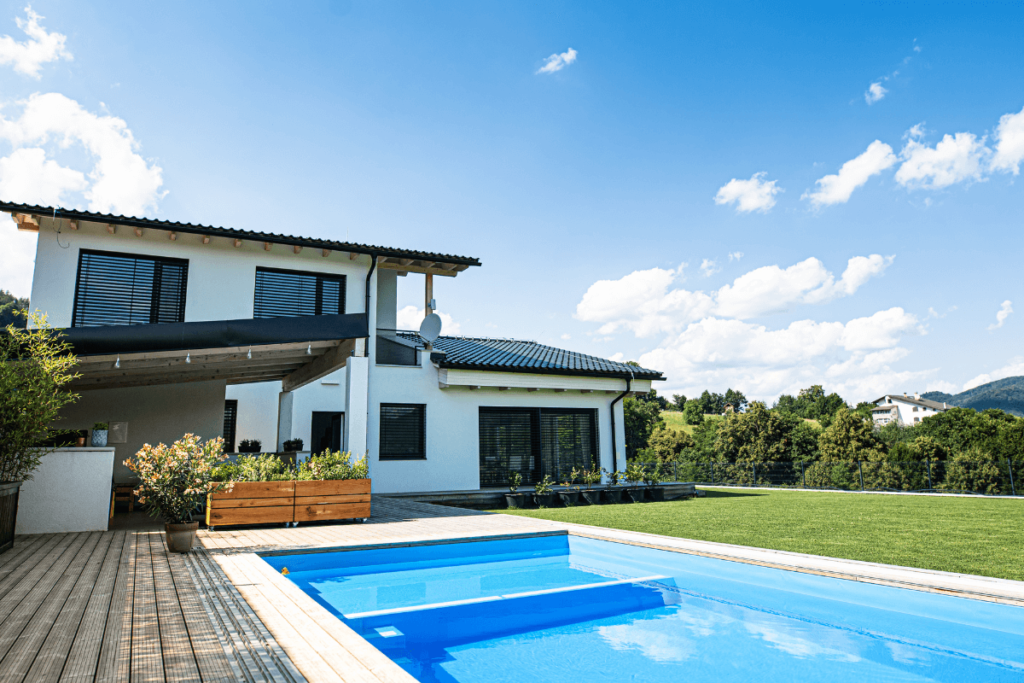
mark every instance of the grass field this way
{"type": "Point", "coordinates": [965, 535]}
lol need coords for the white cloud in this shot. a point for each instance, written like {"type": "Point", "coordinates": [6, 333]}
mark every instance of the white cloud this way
{"type": "Point", "coordinates": [855, 357]}
{"type": "Point", "coordinates": [943, 386]}
{"type": "Point", "coordinates": [874, 93]}
{"type": "Point", "coordinates": [566, 336]}
{"type": "Point", "coordinates": [17, 258]}
{"type": "Point", "coordinates": [954, 159]}
{"type": "Point", "coordinates": [709, 267]}
{"type": "Point", "coordinates": [836, 189]}
{"type": "Point", "coordinates": [29, 177]}
{"type": "Point", "coordinates": [557, 62]}
{"type": "Point", "coordinates": [1014, 368]}
{"type": "Point", "coordinates": [121, 181]}
{"type": "Point", "coordinates": [756, 194]}
{"type": "Point", "coordinates": [646, 303]}
{"type": "Point", "coordinates": [1002, 314]}
{"type": "Point", "coordinates": [39, 48]}
{"type": "Point", "coordinates": [735, 255]}
{"type": "Point", "coordinates": [1009, 150]}
{"type": "Point", "coordinates": [410, 317]}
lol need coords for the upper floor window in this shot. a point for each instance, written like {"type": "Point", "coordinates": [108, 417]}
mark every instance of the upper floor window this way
{"type": "Point", "coordinates": [403, 434]}
{"type": "Point", "coordinates": [125, 289]}
{"type": "Point", "coordinates": [286, 293]}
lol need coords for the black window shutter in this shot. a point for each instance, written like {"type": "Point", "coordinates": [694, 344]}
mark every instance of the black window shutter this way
{"type": "Point", "coordinates": [124, 289]}
{"type": "Point", "coordinates": [403, 431]}
{"type": "Point", "coordinates": [568, 440]}
{"type": "Point", "coordinates": [288, 293]}
{"type": "Point", "coordinates": [230, 424]}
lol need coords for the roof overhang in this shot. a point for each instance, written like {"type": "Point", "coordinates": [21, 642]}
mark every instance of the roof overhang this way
{"type": "Point", "coordinates": [295, 351]}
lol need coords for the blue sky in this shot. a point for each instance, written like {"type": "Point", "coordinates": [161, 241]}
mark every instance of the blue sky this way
{"type": "Point", "coordinates": [660, 135]}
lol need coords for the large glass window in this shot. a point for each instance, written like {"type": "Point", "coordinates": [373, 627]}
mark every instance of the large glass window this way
{"type": "Point", "coordinates": [403, 431]}
{"type": "Point", "coordinates": [536, 442]}
{"type": "Point", "coordinates": [287, 293]}
{"type": "Point", "coordinates": [124, 289]}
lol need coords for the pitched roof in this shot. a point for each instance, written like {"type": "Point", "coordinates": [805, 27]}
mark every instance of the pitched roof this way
{"type": "Point", "coordinates": [514, 355]}
{"type": "Point", "coordinates": [253, 235]}
{"type": "Point", "coordinates": [924, 402]}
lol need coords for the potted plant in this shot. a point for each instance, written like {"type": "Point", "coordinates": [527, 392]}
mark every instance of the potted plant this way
{"type": "Point", "coordinates": [99, 434]}
{"type": "Point", "coordinates": [293, 445]}
{"type": "Point", "coordinates": [250, 446]}
{"type": "Point", "coordinates": [591, 477]}
{"type": "Point", "coordinates": [571, 495]}
{"type": "Point", "coordinates": [513, 497]}
{"type": "Point", "coordinates": [35, 369]}
{"type": "Point", "coordinates": [634, 477]}
{"type": "Point", "coordinates": [543, 495]}
{"type": "Point", "coordinates": [175, 481]}
{"type": "Point", "coordinates": [652, 477]}
{"type": "Point", "coordinates": [613, 494]}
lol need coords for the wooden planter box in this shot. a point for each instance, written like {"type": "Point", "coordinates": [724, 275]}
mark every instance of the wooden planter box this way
{"type": "Point", "coordinates": [269, 502]}
{"type": "Point", "coordinates": [252, 502]}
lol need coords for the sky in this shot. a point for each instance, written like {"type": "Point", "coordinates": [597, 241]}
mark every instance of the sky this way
{"type": "Point", "coordinates": [748, 196]}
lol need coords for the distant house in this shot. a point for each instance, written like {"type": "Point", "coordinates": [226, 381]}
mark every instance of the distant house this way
{"type": "Point", "coordinates": [904, 409]}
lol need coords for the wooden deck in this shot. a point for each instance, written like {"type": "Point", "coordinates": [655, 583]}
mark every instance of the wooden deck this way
{"type": "Point", "coordinates": [116, 607]}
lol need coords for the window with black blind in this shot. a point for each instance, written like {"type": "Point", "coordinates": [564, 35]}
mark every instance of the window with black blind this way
{"type": "Point", "coordinates": [287, 293]}
{"type": "Point", "coordinates": [536, 442]}
{"type": "Point", "coordinates": [403, 431]}
{"type": "Point", "coordinates": [230, 424]}
{"type": "Point", "coordinates": [124, 289]}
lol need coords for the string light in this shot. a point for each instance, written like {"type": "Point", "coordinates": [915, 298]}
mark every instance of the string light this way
{"type": "Point", "coordinates": [249, 355]}
{"type": "Point", "coordinates": [188, 357]}
{"type": "Point", "coordinates": [309, 350]}
{"type": "Point", "coordinates": [117, 363]}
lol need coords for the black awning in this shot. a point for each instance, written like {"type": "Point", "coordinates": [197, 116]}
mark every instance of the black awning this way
{"type": "Point", "coordinates": [94, 341]}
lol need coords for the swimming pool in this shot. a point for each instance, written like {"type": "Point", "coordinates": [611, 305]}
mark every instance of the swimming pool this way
{"type": "Point", "coordinates": [565, 608]}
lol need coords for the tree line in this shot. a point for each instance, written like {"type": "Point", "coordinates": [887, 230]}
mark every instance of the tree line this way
{"type": "Point", "coordinates": [819, 435]}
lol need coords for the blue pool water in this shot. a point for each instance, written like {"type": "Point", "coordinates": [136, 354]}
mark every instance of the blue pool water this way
{"type": "Point", "coordinates": [564, 608]}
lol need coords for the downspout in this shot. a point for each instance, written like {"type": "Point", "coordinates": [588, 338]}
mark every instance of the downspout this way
{"type": "Point", "coordinates": [615, 447]}
{"type": "Point", "coordinates": [369, 274]}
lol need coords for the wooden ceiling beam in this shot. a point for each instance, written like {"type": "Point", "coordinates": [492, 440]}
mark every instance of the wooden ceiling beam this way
{"type": "Point", "coordinates": [26, 222]}
{"type": "Point", "coordinates": [334, 359]}
{"type": "Point", "coordinates": [417, 269]}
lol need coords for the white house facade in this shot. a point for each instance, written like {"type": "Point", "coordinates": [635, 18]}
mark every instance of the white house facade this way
{"type": "Point", "coordinates": [186, 328]}
{"type": "Point", "coordinates": [905, 410]}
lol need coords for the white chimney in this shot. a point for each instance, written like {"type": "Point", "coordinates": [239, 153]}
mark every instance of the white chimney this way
{"type": "Point", "coordinates": [917, 396]}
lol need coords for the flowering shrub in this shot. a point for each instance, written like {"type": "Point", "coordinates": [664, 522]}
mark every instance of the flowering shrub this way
{"type": "Point", "coordinates": [177, 478]}
{"type": "Point", "coordinates": [266, 467]}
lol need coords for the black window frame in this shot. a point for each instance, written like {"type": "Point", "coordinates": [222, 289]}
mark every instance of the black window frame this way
{"type": "Point", "coordinates": [387, 437]}
{"type": "Point", "coordinates": [161, 309]}
{"type": "Point", "coordinates": [544, 458]}
{"type": "Point", "coordinates": [336, 419]}
{"type": "Point", "coordinates": [266, 307]}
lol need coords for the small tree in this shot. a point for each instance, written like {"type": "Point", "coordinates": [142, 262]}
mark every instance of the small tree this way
{"type": "Point", "coordinates": [692, 414]}
{"type": "Point", "coordinates": [641, 417]}
{"type": "Point", "coordinates": [35, 370]}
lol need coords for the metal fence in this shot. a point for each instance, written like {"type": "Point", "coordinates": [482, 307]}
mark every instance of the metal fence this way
{"type": "Point", "coordinates": [990, 477]}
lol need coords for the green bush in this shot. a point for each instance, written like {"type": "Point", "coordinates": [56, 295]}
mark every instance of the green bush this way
{"type": "Point", "coordinates": [333, 465]}
{"type": "Point", "coordinates": [975, 471]}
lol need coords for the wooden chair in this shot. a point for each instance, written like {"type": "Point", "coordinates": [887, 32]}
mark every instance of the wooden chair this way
{"type": "Point", "coordinates": [122, 493]}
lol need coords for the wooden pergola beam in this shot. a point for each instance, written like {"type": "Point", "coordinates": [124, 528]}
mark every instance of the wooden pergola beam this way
{"type": "Point", "coordinates": [334, 359]}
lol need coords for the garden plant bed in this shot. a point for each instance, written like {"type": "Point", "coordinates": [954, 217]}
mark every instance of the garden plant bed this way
{"type": "Point", "coordinates": [275, 502]}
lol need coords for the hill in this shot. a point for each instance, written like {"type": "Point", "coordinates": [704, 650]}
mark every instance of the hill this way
{"type": "Point", "coordinates": [1004, 394]}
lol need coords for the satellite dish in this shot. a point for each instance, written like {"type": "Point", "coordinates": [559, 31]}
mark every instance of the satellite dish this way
{"type": "Point", "coordinates": [430, 328]}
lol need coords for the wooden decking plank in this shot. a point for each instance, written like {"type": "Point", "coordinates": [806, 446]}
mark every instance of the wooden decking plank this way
{"type": "Point", "coordinates": [82, 661]}
{"type": "Point", "coordinates": [114, 664]}
{"type": "Point", "coordinates": [53, 651]}
{"type": "Point", "coordinates": [22, 546]}
{"type": "Point", "coordinates": [179, 660]}
{"type": "Point", "coordinates": [37, 563]}
{"type": "Point", "coordinates": [209, 651]}
{"type": "Point", "coordinates": [321, 629]}
{"type": "Point", "coordinates": [315, 663]}
{"type": "Point", "coordinates": [33, 620]}
{"type": "Point", "coordinates": [147, 658]}
{"type": "Point", "coordinates": [28, 595]}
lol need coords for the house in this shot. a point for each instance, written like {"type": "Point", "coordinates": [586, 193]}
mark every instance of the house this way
{"type": "Point", "coordinates": [904, 409]}
{"type": "Point", "coordinates": [222, 332]}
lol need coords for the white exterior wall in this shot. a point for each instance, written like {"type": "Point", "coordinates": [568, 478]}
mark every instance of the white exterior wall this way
{"type": "Point", "coordinates": [257, 411]}
{"type": "Point", "coordinates": [453, 426]}
{"type": "Point", "coordinates": [160, 414]}
{"type": "Point", "coordinates": [221, 277]}
{"type": "Point", "coordinates": [70, 492]}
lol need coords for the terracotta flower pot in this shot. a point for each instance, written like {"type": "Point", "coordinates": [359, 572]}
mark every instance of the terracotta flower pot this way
{"type": "Point", "coordinates": [181, 537]}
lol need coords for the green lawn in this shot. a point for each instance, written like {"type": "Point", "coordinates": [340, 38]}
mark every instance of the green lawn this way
{"type": "Point", "coordinates": [966, 535]}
